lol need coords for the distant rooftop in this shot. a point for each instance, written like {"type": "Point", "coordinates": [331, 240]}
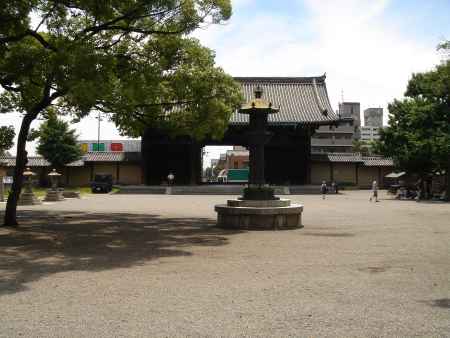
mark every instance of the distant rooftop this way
{"type": "Point", "coordinates": [369, 161]}
{"type": "Point", "coordinates": [97, 156]}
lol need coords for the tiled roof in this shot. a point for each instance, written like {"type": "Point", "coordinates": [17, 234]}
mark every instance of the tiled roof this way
{"type": "Point", "coordinates": [345, 157]}
{"type": "Point", "coordinates": [78, 163]}
{"type": "Point", "coordinates": [378, 162]}
{"type": "Point", "coordinates": [369, 161]}
{"type": "Point", "coordinates": [104, 156]}
{"type": "Point", "coordinates": [302, 100]}
{"type": "Point", "coordinates": [38, 161]}
{"type": "Point", "coordinates": [33, 161]}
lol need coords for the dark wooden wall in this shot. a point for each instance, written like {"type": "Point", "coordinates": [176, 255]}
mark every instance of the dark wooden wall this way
{"type": "Point", "coordinates": [287, 155]}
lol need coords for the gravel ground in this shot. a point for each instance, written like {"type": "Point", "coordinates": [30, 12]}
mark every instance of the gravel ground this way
{"type": "Point", "coordinates": [154, 266]}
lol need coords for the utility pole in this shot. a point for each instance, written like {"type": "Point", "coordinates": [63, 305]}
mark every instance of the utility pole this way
{"type": "Point", "coordinates": [99, 117]}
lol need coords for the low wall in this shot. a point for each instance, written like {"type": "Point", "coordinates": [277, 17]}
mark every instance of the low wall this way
{"type": "Point", "coordinates": [348, 173]}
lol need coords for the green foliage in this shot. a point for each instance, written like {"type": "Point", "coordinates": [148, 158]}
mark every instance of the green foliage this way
{"type": "Point", "coordinates": [418, 136]}
{"type": "Point", "coordinates": [445, 48]}
{"type": "Point", "coordinates": [7, 134]}
{"type": "Point", "coordinates": [131, 59]}
{"type": "Point", "coordinates": [362, 147]}
{"type": "Point", "coordinates": [57, 143]}
{"type": "Point", "coordinates": [195, 99]}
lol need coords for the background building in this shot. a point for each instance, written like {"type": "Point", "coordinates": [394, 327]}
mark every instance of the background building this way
{"type": "Point", "coordinates": [303, 104]}
{"type": "Point", "coordinates": [373, 117]}
{"type": "Point", "coordinates": [126, 167]}
{"type": "Point", "coordinates": [238, 158]}
{"type": "Point", "coordinates": [373, 121]}
{"type": "Point", "coordinates": [331, 139]}
{"type": "Point", "coordinates": [110, 145]}
{"type": "Point", "coordinates": [370, 133]}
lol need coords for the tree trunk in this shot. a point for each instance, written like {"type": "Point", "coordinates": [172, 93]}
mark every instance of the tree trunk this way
{"type": "Point", "coordinates": [21, 161]}
{"type": "Point", "coordinates": [422, 188]}
{"type": "Point", "coordinates": [447, 194]}
{"type": "Point", "coordinates": [429, 182]}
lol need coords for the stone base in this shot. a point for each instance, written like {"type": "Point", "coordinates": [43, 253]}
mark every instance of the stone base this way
{"type": "Point", "coordinates": [259, 215]}
{"type": "Point", "coordinates": [54, 195]}
{"type": "Point", "coordinates": [71, 194]}
{"type": "Point", "coordinates": [27, 198]}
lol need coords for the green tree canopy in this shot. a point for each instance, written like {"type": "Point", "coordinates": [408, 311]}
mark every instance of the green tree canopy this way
{"type": "Point", "coordinates": [7, 134]}
{"type": "Point", "coordinates": [57, 143]}
{"type": "Point", "coordinates": [418, 136]}
{"type": "Point", "coordinates": [363, 147]}
{"type": "Point", "coordinates": [132, 59]}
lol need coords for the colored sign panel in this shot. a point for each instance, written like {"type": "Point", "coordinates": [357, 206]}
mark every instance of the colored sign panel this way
{"type": "Point", "coordinates": [237, 175]}
{"type": "Point", "coordinates": [98, 147]}
{"type": "Point", "coordinates": [116, 147]}
{"type": "Point", "coordinates": [84, 147]}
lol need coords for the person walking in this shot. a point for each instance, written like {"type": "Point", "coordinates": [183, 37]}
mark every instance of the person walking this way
{"type": "Point", "coordinates": [374, 191]}
{"type": "Point", "coordinates": [170, 178]}
{"type": "Point", "coordinates": [323, 189]}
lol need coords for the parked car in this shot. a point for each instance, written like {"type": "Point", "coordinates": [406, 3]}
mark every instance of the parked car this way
{"type": "Point", "coordinates": [102, 183]}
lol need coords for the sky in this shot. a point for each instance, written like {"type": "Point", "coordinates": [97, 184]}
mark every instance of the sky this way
{"type": "Point", "coordinates": [367, 48]}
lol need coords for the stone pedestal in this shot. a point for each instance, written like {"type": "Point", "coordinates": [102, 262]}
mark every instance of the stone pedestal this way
{"type": "Point", "coordinates": [54, 195]}
{"type": "Point", "coordinates": [259, 215]}
{"type": "Point", "coordinates": [28, 198]}
{"type": "Point", "coordinates": [71, 194]}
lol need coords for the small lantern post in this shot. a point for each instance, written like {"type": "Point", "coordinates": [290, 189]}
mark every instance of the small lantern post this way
{"type": "Point", "coordinates": [28, 184]}
{"type": "Point", "coordinates": [54, 194]}
{"type": "Point", "coordinates": [27, 197]}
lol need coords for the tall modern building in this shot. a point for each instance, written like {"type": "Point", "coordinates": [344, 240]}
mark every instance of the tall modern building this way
{"type": "Point", "coordinates": [373, 117]}
{"type": "Point", "coordinates": [373, 122]}
{"type": "Point", "coordinates": [351, 110]}
{"type": "Point", "coordinates": [339, 138]}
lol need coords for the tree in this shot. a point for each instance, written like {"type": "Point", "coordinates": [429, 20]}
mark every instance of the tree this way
{"type": "Point", "coordinates": [444, 47]}
{"type": "Point", "coordinates": [7, 135]}
{"type": "Point", "coordinates": [133, 60]}
{"type": "Point", "coordinates": [362, 147]}
{"type": "Point", "coordinates": [57, 143]}
{"type": "Point", "coordinates": [418, 136]}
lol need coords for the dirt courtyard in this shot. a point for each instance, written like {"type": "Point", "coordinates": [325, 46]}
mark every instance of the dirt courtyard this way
{"type": "Point", "coordinates": [155, 266]}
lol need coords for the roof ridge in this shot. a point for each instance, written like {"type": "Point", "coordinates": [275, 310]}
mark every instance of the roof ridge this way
{"type": "Point", "coordinates": [282, 79]}
{"type": "Point", "coordinates": [344, 154]}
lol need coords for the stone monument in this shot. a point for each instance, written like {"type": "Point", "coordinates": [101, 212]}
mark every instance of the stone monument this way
{"type": "Point", "coordinates": [258, 208]}
{"type": "Point", "coordinates": [54, 194]}
{"type": "Point", "coordinates": [27, 196]}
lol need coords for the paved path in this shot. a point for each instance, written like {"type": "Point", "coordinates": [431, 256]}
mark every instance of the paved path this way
{"type": "Point", "coordinates": [153, 266]}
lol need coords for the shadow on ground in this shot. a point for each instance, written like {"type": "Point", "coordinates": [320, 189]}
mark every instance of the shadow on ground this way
{"type": "Point", "coordinates": [52, 242]}
{"type": "Point", "coordinates": [443, 303]}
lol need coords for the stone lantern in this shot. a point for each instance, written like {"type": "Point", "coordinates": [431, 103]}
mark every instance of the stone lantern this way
{"type": "Point", "coordinates": [54, 194]}
{"type": "Point", "coordinates": [27, 196]}
{"type": "Point", "coordinates": [258, 208]}
{"type": "Point", "coordinates": [258, 110]}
